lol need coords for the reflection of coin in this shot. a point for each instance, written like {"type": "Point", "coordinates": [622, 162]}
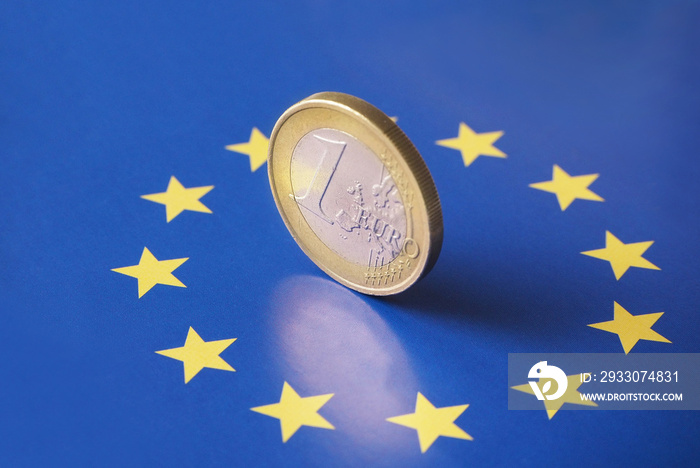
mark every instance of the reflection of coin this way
{"type": "Point", "coordinates": [355, 193]}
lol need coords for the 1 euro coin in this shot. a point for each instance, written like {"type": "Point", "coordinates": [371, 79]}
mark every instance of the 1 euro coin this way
{"type": "Point", "coordinates": [355, 193]}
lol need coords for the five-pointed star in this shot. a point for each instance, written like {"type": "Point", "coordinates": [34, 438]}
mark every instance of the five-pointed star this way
{"type": "Point", "coordinates": [198, 354]}
{"type": "Point", "coordinates": [622, 256]}
{"type": "Point", "coordinates": [568, 188]}
{"type": "Point", "coordinates": [631, 328]}
{"type": "Point", "coordinates": [431, 422]}
{"type": "Point", "coordinates": [570, 396]}
{"type": "Point", "coordinates": [294, 411]}
{"type": "Point", "coordinates": [472, 144]}
{"type": "Point", "coordinates": [177, 198]}
{"type": "Point", "coordinates": [256, 149]}
{"type": "Point", "coordinates": [151, 271]}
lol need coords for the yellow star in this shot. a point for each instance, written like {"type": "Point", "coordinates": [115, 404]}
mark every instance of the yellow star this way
{"type": "Point", "coordinates": [256, 149]}
{"type": "Point", "coordinates": [198, 354]}
{"type": "Point", "coordinates": [178, 198]}
{"type": "Point", "coordinates": [151, 271]}
{"type": "Point", "coordinates": [431, 422]}
{"type": "Point", "coordinates": [568, 188]}
{"type": "Point", "coordinates": [622, 256]}
{"type": "Point", "coordinates": [570, 396]}
{"type": "Point", "coordinates": [294, 411]}
{"type": "Point", "coordinates": [472, 144]}
{"type": "Point", "coordinates": [631, 328]}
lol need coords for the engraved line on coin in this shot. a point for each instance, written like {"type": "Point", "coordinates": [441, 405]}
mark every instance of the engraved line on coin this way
{"type": "Point", "coordinates": [375, 274]}
{"type": "Point", "coordinates": [386, 273]}
{"type": "Point", "coordinates": [375, 218]}
{"type": "Point", "coordinates": [340, 175]}
{"type": "Point", "coordinates": [399, 178]}
{"type": "Point", "coordinates": [311, 200]}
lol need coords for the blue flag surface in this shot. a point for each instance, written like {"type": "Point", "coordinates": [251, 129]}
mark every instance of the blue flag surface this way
{"type": "Point", "coordinates": [156, 310]}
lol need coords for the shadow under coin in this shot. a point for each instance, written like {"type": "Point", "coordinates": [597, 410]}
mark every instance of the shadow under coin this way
{"type": "Point", "coordinates": [498, 297]}
{"type": "Point", "coordinates": [331, 341]}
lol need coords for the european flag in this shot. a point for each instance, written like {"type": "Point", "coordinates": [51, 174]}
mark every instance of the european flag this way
{"type": "Point", "coordinates": [156, 311]}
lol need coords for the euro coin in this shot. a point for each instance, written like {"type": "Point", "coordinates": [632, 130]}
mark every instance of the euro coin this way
{"type": "Point", "coordinates": [355, 193]}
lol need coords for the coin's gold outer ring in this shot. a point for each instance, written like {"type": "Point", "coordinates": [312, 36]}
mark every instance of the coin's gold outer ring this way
{"type": "Point", "coordinates": [424, 228]}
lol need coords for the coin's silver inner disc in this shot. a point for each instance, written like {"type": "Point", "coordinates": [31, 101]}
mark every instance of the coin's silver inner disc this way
{"type": "Point", "coordinates": [348, 197]}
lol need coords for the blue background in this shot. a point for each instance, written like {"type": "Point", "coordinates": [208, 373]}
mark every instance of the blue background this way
{"type": "Point", "coordinates": [103, 102]}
